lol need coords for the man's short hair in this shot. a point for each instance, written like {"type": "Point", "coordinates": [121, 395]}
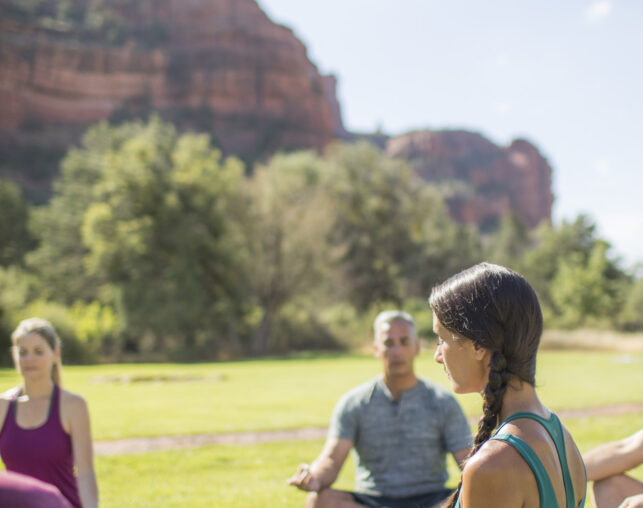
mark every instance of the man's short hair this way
{"type": "Point", "coordinates": [388, 316]}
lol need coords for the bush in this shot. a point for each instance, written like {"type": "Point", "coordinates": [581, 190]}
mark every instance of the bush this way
{"type": "Point", "coordinates": [631, 316]}
{"type": "Point", "coordinates": [73, 350]}
{"type": "Point", "coordinates": [354, 329]}
{"type": "Point", "coordinates": [299, 329]}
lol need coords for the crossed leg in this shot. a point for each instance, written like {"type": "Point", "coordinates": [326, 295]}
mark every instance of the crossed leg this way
{"type": "Point", "coordinates": [610, 492]}
{"type": "Point", "coordinates": [329, 498]}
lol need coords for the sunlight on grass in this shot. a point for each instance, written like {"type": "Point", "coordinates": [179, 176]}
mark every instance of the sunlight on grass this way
{"type": "Point", "coordinates": [289, 393]}
{"type": "Point", "coordinates": [255, 476]}
{"type": "Point", "coordinates": [301, 392]}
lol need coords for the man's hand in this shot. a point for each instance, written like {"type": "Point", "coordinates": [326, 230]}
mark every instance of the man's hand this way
{"type": "Point", "coordinates": [304, 480]}
{"type": "Point", "coordinates": [632, 502]}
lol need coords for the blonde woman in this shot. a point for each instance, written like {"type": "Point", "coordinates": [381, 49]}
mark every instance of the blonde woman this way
{"type": "Point", "coordinates": [45, 430]}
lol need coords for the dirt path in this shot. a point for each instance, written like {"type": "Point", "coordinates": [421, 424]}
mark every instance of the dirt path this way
{"type": "Point", "coordinates": [148, 444]}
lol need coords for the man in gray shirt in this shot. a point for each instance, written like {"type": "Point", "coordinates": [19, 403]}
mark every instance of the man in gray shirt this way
{"type": "Point", "coordinates": [400, 428]}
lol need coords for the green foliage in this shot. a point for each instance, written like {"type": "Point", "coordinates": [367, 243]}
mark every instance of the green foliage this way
{"type": "Point", "coordinates": [107, 22]}
{"type": "Point", "coordinates": [354, 329]}
{"type": "Point", "coordinates": [552, 245]}
{"type": "Point", "coordinates": [396, 237]}
{"type": "Point", "coordinates": [576, 280]}
{"type": "Point", "coordinates": [631, 317]}
{"type": "Point", "coordinates": [61, 318]}
{"type": "Point", "coordinates": [59, 260]}
{"type": "Point", "coordinates": [157, 246]}
{"type": "Point", "coordinates": [507, 245]}
{"type": "Point", "coordinates": [98, 328]}
{"type": "Point", "coordinates": [140, 222]}
{"type": "Point", "coordinates": [583, 288]}
{"type": "Point", "coordinates": [161, 229]}
{"type": "Point", "coordinates": [285, 233]}
{"type": "Point", "coordinates": [15, 239]}
{"type": "Point", "coordinates": [16, 289]}
{"type": "Point", "coordinates": [5, 338]}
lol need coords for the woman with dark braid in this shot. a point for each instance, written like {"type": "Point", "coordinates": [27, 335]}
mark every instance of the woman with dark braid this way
{"type": "Point", "coordinates": [489, 323]}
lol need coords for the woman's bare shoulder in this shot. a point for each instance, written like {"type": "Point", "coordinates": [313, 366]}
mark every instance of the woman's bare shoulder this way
{"type": "Point", "coordinates": [71, 399]}
{"type": "Point", "coordinates": [487, 474]}
{"type": "Point", "coordinates": [495, 457]}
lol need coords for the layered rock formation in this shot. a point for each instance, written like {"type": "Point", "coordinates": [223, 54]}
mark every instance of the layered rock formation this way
{"type": "Point", "coordinates": [223, 67]}
{"type": "Point", "coordinates": [480, 180]}
{"type": "Point", "coordinates": [214, 65]}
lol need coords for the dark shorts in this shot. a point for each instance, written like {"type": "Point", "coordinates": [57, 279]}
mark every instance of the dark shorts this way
{"type": "Point", "coordinates": [419, 501]}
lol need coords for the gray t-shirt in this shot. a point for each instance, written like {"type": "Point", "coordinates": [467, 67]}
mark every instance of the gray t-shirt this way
{"type": "Point", "coordinates": [400, 446]}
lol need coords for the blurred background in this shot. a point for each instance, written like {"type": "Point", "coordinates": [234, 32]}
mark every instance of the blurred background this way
{"type": "Point", "coordinates": [213, 179]}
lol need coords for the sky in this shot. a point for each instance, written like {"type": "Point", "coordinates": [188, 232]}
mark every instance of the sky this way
{"type": "Point", "coordinates": [567, 76]}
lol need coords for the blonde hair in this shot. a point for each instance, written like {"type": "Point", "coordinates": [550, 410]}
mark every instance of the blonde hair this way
{"type": "Point", "coordinates": [46, 330]}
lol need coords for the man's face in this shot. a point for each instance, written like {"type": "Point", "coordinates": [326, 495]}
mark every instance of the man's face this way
{"type": "Point", "coordinates": [395, 346]}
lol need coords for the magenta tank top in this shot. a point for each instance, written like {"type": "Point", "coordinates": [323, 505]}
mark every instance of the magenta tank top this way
{"type": "Point", "coordinates": [43, 452]}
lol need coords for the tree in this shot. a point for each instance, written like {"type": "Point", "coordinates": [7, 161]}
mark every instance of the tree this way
{"type": "Point", "coordinates": [631, 317]}
{"type": "Point", "coordinates": [575, 278]}
{"type": "Point", "coordinates": [551, 246]}
{"type": "Point", "coordinates": [395, 235]}
{"type": "Point", "coordinates": [507, 245]}
{"type": "Point", "coordinates": [59, 259]}
{"type": "Point", "coordinates": [162, 230]}
{"type": "Point", "coordinates": [585, 289]}
{"type": "Point", "coordinates": [286, 236]}
{"type": "Point", "coordinates": [15, 238]}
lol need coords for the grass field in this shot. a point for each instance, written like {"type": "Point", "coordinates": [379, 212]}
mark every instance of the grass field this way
{"type": "Point", "coordinates": [162, 399]}
{"type": "Point", "coordinates": [300, 392]}
{"type": "Point", "coordinates": [254, 476]}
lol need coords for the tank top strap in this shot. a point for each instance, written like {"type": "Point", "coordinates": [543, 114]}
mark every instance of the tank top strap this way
{"type": "Point", "coordinates": [13, 405]}
{"type": "Point", "coordinates": [14, 399]}
{"type": "Point", "coordinates": [545, 488]}
{"type": "Point", "coordinates": [555, 430]}
{"type": "Point", "coordinates": [53, 412]}
{"type": "Point", "coordinates": [10, 419]}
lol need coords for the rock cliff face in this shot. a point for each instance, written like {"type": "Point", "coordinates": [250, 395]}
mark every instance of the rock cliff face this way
{"type": "Point", "coordinates": [216, 65]}
{"type": "Point", "coordinates": [223, 67]}
{"type": "Point", "coordinates": [480, 180]}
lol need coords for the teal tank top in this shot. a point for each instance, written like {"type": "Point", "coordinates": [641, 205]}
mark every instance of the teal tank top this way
{"type": "Point", "coordinates": [545, 488]}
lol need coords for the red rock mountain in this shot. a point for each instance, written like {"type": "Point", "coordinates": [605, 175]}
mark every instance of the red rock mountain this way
{"type": "Point", "coordinates": [223, 67]}
{"type": "Point", "coordinates": [216, 65]}
{"type": "Point", "coordinates": [480, 180]}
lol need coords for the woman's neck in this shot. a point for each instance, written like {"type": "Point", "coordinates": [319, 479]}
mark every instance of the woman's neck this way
{"type": "Point", "coordinates": [35, 389]}
{"type": "Point", "coordinates": [521, 397]}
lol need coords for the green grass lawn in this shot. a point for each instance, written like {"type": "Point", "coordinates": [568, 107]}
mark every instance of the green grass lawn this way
{"type": "Point", "coordinates": [295, 393]}
{"type": "Point", "coordinates": [289, 393]}
{"type": "Point", "coordinates": [255, 476]}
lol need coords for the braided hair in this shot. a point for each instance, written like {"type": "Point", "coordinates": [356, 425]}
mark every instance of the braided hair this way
{"type": "Point", "coordinates": [497, 310]}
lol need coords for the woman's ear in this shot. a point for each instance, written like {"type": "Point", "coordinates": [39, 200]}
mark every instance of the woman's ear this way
{"type": "Point", "coordinates": [377, 349]}
{"type": "Point", "coordinates": [481, 353]}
